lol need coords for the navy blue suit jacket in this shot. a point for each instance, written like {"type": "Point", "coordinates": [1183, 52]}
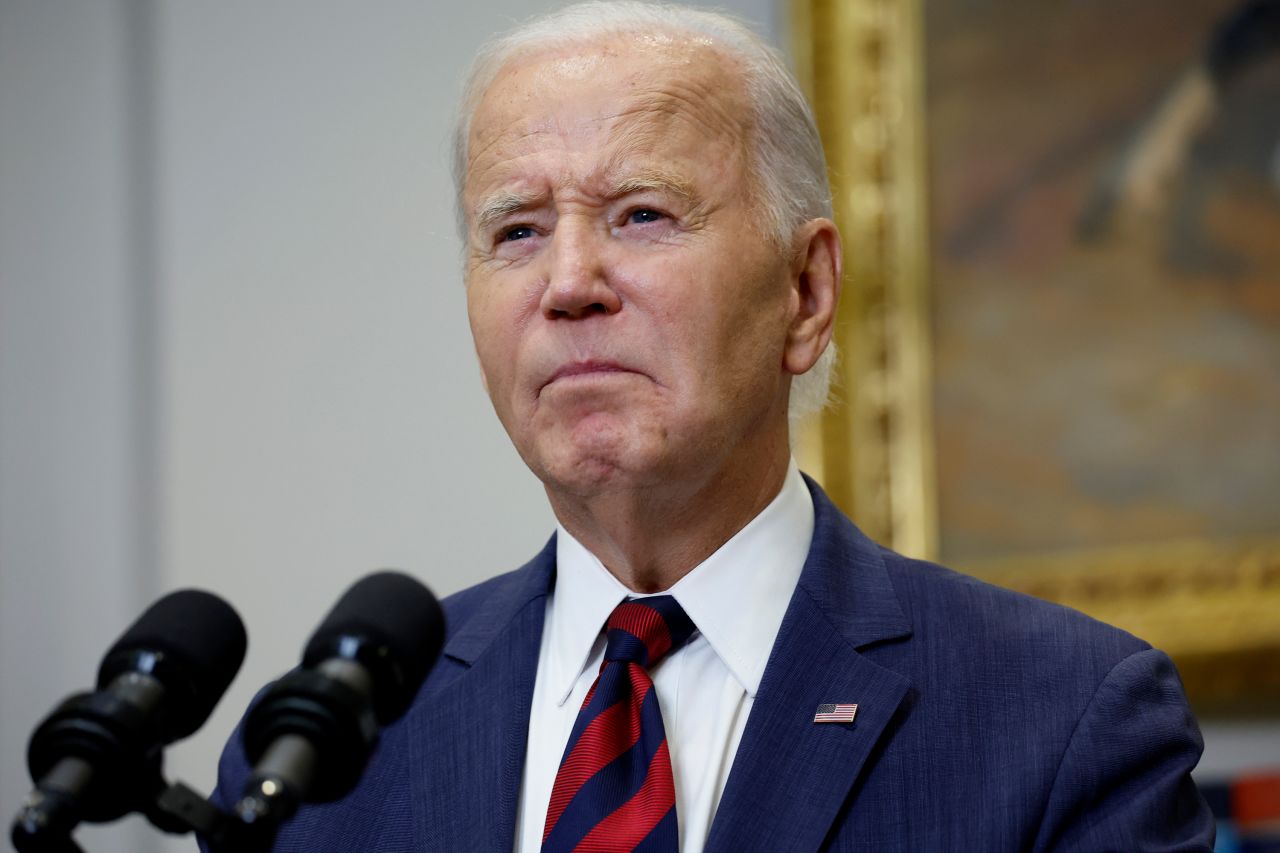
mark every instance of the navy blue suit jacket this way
{"type": "Point", "coordinates": [986, 720]}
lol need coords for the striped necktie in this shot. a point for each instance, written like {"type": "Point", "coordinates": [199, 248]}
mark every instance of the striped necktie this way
{"type": "Point", "coordinates": [614, 790]}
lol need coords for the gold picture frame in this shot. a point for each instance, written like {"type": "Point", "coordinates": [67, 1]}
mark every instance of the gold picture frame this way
{"type": "Point", "coordinates": [1213, 604]}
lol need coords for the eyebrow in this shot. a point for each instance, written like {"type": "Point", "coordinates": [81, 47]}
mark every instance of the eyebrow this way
{"type": "Point", "coordinates": [654, 180]}
{"type": "Point", "coordinates": [493, 209]}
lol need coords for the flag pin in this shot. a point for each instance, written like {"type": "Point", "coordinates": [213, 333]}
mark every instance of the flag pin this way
{"type": "Point", "coordinates": [835, 713]}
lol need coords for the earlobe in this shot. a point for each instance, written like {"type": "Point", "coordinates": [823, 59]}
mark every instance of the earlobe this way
{"type": "Point", "coordinates": [815, 279]}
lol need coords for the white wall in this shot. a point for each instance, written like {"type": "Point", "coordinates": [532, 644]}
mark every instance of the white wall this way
{"type": "Point", "coordinates": [74, 565]}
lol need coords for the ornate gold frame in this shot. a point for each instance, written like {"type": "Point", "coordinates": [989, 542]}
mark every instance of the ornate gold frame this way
{"type": "Point", "coordinates": [1214, 606]}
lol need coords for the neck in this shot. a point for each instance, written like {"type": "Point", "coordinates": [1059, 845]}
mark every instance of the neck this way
{"type": "Point", "coordinates": [650, 537]}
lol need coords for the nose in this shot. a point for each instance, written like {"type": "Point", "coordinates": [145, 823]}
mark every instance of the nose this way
{"type": "Point", "coordinates": [578, 282]}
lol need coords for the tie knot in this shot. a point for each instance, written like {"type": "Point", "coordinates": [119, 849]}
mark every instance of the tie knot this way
{"type": "Point", "coordinates": [643, 630]}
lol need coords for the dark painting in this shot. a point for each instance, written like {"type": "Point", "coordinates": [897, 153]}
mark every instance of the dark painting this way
{"type": "Point", "coordinates": [1105, 192]}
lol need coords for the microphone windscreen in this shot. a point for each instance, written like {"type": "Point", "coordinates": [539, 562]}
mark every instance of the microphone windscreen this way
{"type": "Point", "coordinates": [193, 643]}
{"type": "Point", "coordinates": [392, 625]}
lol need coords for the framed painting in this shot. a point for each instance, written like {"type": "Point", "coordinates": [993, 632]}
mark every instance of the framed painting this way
{"type": "Point", "coordinates": [1060, 328]}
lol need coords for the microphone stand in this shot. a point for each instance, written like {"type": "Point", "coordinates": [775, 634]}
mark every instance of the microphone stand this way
{"type": "Point", "coordinates": [47, 818]}
{"type": "Point", "coordinates": [180, 809]}
{"type": "Point", "coordinates": [49, 813]}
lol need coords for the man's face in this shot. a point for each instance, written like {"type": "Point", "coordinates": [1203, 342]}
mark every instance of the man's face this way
{"type": "Point", "coordinates": [629, 312]}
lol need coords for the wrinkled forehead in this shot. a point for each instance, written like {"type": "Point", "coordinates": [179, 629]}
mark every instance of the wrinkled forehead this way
{"type": "Point", "coordinates": [634, 93]}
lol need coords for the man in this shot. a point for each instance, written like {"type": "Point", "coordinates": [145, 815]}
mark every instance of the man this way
{"type": "Point", "coordinates": [651, 268]}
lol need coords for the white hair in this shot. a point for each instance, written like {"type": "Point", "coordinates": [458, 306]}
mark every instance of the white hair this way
{"type": "Point", "coordinates": [791, 170]}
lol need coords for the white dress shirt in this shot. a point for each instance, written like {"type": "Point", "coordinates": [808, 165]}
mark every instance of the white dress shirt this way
{"type": "Point", "coordinates": [736, 599]}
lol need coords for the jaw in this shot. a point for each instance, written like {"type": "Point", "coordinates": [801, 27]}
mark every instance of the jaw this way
{"type": "Point", "coordinates": [600, 452]}
{"type": "Point", "coordinates": [651, 525]}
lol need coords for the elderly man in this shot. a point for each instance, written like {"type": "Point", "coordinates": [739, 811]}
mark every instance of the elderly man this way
{"type": "Point", "coordinates": [708, 655]}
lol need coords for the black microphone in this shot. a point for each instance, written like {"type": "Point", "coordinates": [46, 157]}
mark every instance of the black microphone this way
{"type": "Point", "coordinates": [311, 733]}
{"type": "Point", "coordinates": [98, 755]}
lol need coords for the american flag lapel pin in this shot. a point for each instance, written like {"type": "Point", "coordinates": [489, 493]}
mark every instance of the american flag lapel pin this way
{"type": "Point", "coordinates": [837, 713]}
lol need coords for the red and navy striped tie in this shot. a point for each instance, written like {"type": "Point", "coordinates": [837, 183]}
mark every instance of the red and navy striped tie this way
{"type": "Point", "coordinates": [614, 790]}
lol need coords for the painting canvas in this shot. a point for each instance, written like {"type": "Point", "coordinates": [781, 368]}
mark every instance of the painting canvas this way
{"type": "Point", "coordinates": [1105, 197]}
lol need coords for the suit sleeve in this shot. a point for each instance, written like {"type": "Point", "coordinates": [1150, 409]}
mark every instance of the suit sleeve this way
{"type": "Point", "coordinates": [1124, 782]}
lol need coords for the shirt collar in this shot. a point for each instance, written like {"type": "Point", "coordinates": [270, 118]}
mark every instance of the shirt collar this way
{"type": "Point", "coordinates": [736, 597]}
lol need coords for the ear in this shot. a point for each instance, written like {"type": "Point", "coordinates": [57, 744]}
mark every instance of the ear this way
{"type": "Point", "coordinates": [816, 269]}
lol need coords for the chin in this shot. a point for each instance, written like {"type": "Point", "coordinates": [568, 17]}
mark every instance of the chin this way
{"type": "Point", "coordinates": [603, 464]}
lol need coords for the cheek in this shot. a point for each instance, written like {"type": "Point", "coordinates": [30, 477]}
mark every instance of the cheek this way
{"type": "Point", "coordinates": [715, 327]}
{"type": "Point", "coordinates": [492, 343]}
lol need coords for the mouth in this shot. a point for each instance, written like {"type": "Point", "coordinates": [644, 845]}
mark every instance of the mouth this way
{"type": "Point", "coordinates": [583, 369]}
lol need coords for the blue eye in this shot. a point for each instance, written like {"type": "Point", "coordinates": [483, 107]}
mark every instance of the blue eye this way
{"type": "Point", "coordinates": [644, 215]}
{"type": "Point", "coordinates": [520, 232]}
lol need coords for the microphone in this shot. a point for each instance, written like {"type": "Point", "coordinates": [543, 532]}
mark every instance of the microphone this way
{"type": "Point", "coordinates": [311, 734]}
{"type": "Point", "coordinates": [98, 755]}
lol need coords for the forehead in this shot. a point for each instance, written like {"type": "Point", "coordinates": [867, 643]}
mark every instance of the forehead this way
{"type": "Point", "coordinates": [608, 103]}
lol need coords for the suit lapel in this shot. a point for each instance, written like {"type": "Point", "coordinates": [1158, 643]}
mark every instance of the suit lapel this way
{"type": "Point", "coordinates": [791, 775]}
{"type": "Point", "coordinates": [469, 752]}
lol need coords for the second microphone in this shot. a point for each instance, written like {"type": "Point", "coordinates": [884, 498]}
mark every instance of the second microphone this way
{"type": "Point", "coordinates": [311, 733]}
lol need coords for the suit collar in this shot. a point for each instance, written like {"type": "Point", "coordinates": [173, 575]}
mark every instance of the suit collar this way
{"type": "Point", "coordinates": [846, 577]}
{"type": "Point", "coordinates": [790, 775]}
{"type": "Point", "coordinates": [532, 581]}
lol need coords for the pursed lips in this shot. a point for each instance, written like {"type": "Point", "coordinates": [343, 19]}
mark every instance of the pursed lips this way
{"type": "Point", "coordinates": [585, 368]}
